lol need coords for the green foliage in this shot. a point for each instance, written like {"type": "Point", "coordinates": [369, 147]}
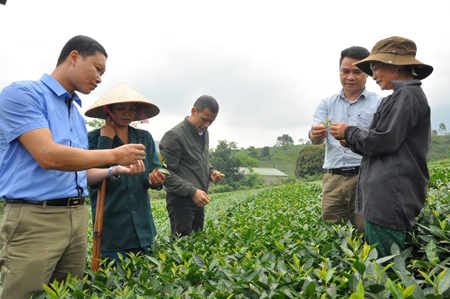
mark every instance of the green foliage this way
{"type": "Point", "coordinates": [285, 142]}
{"type": "Point", "coordinates": [155, 194]}
{"type": "Point", "coordinates": [283, 158]}
{"type": "Point", "coordinates": [442, 129]}
{"type": "Point", "coordinates": [222, 159]}
{"type": "Point", "coordinates": [252, 151]}
{"type": "Point", "coordinates": [220, 188]}
{"type": "Point", "coordinates": [310, 161]}
{"type": "Point", "coordinates": [440, 148]}
{"type": "Point", "coordinates": [247, 161]}
{"type": "Point", "coordinates": [253, 180]}
{"type": "Point", "coordinates": [94, 124]}
{"type": "Point", "coordinates": [285, 139]}
{"type": "Point", "coordinates": [265, 152]}
{"type": "Point", "coordinates": [273, 243]}
{"type": "Point", "coordinates": [163, 165]}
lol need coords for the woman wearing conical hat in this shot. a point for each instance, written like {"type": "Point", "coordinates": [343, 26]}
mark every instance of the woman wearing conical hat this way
{"type": "Point", "coordinates": [393, 178]}
{"type": "Point", "coordinates": [128, 224]}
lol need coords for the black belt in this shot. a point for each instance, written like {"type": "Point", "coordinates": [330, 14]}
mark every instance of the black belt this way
{"type": "Point", "coordinates": [344, 171]}
{"type": "Point", "coordinates": [72, 202]}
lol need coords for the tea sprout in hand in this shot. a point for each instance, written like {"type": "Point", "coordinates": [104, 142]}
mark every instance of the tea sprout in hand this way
{"type": "Point", "coordinates": [327, 124]}
{"type": "Point", "coordinates": [163, 168]}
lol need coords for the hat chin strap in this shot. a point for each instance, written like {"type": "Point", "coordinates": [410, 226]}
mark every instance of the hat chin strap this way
{"type": "Point", "coordinates": [107, 111]}
{"type": "Point", "coordinates": [140, 112]}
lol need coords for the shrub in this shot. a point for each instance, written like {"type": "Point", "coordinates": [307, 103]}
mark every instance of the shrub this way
{"type": "Point", "coordinates": [154, 194]}
{"type": "Point", "coordinates": [310, 161]}
{"type": "Point", "coordinates": [216, 188]}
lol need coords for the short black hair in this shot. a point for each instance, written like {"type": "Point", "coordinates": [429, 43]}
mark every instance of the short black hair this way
{"type": "Point", "coordinates": [355, 52]}
{"type": "Point", "coordinates": [206, 101]}
{"type": "Point", "coordinates": [84, 45]}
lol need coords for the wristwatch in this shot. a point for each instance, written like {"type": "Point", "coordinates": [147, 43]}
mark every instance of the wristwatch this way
{"type": "Point", "coordinates": [111, 176]}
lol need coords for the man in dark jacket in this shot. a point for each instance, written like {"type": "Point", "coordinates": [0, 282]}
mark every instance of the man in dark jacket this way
{"type": "Point", "coordinates": [185, 149]}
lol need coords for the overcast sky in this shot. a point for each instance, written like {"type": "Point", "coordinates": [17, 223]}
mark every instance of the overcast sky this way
{"type": "Point", "coordinates": [268, 63]}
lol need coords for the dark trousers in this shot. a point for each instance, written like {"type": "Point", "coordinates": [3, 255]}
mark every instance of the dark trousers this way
{"type": "Point", "coordinates": [185, 216]}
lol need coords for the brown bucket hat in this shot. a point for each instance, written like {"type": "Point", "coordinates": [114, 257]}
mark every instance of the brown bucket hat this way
{"type": "Point", "coordinates": [396, 50]}
{"type": "Point", "coordinates": [122, 93]}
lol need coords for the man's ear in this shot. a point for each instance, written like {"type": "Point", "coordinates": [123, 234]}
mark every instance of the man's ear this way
{"type": "Point", "coordinates": [73, 57]}
{"type": "Point", "coordinates": [193, 110]}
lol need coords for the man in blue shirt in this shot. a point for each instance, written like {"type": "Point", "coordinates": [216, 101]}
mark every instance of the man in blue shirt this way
{"type": "Point", "coordinates": [354, 105]}
{"type": "Point", "coordinates": [43, 178]}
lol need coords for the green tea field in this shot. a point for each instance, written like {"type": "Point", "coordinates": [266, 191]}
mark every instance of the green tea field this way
{"type": "Point", "coordinates": [272, 243]}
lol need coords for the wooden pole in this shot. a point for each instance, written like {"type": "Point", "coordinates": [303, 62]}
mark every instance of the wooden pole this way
{"type": "Point", "coordinates": [98, 226]}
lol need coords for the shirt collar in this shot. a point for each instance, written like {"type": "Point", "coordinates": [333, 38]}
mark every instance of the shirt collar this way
{"type": "Point", "coordinates": [58, 89]}
{"type": "Point", "coordinates": [400, 83]}
{"type": "Point", "coordinates": [135, 133]}
{"type": "Point", "coordinates": [362, 95]}
{"type": "Point", "coordinates": [192, 127]}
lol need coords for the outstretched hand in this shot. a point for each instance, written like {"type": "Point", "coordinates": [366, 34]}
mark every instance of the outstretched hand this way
{"type": "Point", "coordinates": [129, 154]}
{"type": "Point", "coordinates": [131, 170]}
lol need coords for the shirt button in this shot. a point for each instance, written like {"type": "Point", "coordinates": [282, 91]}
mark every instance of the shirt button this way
{"type": "Point", "coordinates": [344, 152]}
{"type": "Point", "coordinates": [343, 163]}
{"type": "Point", "coordinates": [71, 130]}
{"type": "Point", "coordinates": [349, 116]}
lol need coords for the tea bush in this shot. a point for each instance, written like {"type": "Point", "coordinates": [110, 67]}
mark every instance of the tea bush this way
{"type": "Point", "coordinates": [272, 243]}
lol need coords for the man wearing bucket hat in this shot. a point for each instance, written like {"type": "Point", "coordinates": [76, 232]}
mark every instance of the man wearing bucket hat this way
{"type": "Point", "coordinates": [43, 176]}
{"type": "Point", "coordinates": [392, 184]}
{"type": "Point", "coordinates": [128, 225]}
{"type": "Point", "coordinates": [355, 105]}
{"type": "Point", "coordinates": [185, 148]}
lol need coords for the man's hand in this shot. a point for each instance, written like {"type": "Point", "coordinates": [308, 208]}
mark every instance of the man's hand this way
{"type": "Point", "coordinates": [318, 133]}
{"type": "Point", "coordinates": [108, 129]}
{"type": "Point", "coordinates": [217, 176]}
{"type": "Point", "coordinates": [337, 130]}
{"type": "Point", "coordinates": [132, 170]}
{"type": "Point", "coordinates": [156, 178]}
{"type": "Point", "coordinates": [201, 199]}
{"type": "Point", "coordinates": [129, 154]}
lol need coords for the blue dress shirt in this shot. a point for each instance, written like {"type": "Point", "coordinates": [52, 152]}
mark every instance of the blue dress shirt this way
{"type": "Point", "coordinates": [30, 105]}
{"type": "Point", "coordinates": [357, 113]}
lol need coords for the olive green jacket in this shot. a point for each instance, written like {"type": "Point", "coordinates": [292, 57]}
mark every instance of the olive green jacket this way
{"type": "Point", "coordinates": [187, 159]}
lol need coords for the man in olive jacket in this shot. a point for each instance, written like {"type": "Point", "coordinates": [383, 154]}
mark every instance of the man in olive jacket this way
{"type": "Point", "coordinates": [185, 149]}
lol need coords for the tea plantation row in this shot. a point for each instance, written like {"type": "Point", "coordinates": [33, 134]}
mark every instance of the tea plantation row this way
{"type": "Point", "coordinates": [272, 243]}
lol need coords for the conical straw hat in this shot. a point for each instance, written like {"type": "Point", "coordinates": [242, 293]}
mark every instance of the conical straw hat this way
{"type": "Point", "coordinates": [122, 93]}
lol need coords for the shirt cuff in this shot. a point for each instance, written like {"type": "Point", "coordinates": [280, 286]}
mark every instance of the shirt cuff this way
{"type": "Point", "coordinates": [191, 192]}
